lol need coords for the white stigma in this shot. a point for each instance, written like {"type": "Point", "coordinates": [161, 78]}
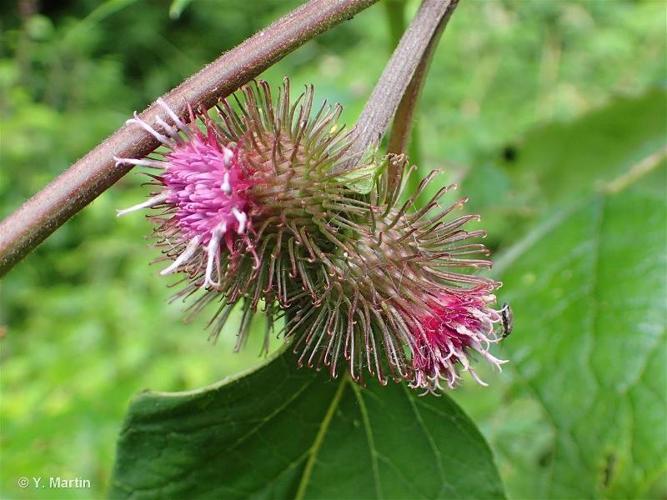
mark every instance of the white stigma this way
{"type": "Point", "coordinates": [212, 249]}
{"type": "Point", "coordinates": [489, 357]}
{"type": "Point", "coordinates": [151, 202]}
{"type": "Point", "coordinates": [171, 113]}
{"type": "Point", "coordinates": [187, 254]}
{"type": "Point", "coordinates": [464, 331]}
{"type": "Point", "coordinates": [148, 128]}
{"type": "Point", "coordinates": [144, 162]}
{"type": "Point", "coordinates": [226, 186]}
{"type": "Point", "coordinates": [476, 378]}
{"type": "Point", "coordinates": [241, 218]}
{"type": "Point", "coordinates": [227, 155]}
{"type": "Point", "coordinates": [171, 130]}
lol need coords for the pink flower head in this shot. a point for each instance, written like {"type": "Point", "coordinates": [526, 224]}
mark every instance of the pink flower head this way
{"type": "Point", "coordinates": [205, 188]}
{"type": "Point", "coordinates": [207, 185]}
{"type": "Point", "coordinates": [456, 325]}
{"type": "Point", "coordinates": [251, 210]}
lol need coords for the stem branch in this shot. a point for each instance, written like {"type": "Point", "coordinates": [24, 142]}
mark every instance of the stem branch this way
{"type": "Point", "coordinates": [402, 124]}
{"type": "Point", "coordinates": [412, 50]}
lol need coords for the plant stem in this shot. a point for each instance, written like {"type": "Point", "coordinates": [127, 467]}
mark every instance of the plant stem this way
{"type": "Point", "coordinates": [404, 132]}
{"type": "Point", "coordinates": [403, 120]}
{"type": "Point", "coordinates": [89, 177]}
{"type": "Point", "coordinates": [429, 21]}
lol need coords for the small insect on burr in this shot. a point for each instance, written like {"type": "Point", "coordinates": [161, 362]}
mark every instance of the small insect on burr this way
{"type": "Point", "coordinates": [507, 320]}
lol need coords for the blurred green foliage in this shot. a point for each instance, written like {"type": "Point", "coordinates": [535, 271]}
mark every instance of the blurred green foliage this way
{"type": "Point", "coordinates": [85, 321]}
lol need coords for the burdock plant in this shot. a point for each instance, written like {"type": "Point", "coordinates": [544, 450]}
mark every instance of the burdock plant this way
{"type": "Point", "coordinates": [250, 206]}
{"type": "Point", "coordinates": [263, 201]}
{"type": "Point", "coordinates": [244, 198]}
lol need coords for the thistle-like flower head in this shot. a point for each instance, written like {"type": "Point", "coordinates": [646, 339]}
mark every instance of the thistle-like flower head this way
{"type": "Point", "coordinates": [251, 209]}
{"type": "Point", "coordinates": [204, 188]}
{"type": "Point", "coordinates": [241, 202]}
{"type": "Point", "coordinates": [453, 326]}
{"type": "Point", "coordinates": [398, 296]}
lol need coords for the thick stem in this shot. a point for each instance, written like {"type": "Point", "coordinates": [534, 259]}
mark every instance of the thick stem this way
{"type": "Point", "coordinates": [403, 120]}
{"type": "Point", "coordinates": [388, 93]}
{"type": "Point", "coordinates": [403, 129]}
{"type": "Point", "coordinates": [42, 214]}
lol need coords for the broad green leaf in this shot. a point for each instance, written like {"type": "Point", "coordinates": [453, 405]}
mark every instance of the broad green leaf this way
{"type": "Point", "coordinates": [589, 292]}
{"type": "Point", "coordinates": [281, 432]}
{"type": "Point", "coordinates": [563, 161]}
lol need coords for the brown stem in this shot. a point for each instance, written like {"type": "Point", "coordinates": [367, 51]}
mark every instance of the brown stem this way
{"type": "Point", "coordinates": [403, 130]}
{"type": "Point", "coordinates": [388, 93]}
{"type": "Point", "coordinates": [89, 177]}
{"type": "Point", "coordinates": [402, 124]}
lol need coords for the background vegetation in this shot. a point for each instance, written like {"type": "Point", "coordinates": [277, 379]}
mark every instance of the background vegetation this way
{"type": "Point", "coordinates": [529, 104]}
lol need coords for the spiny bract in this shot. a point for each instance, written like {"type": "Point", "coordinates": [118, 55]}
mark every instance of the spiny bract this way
{"type": "Point", "coordinates": [252, 211]}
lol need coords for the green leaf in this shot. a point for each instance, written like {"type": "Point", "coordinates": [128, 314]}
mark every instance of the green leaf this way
{"type": "Point", "coordinates": [588, 290]}
{"type": "Point", "coordinates": [561, 162]}
{"type": "Point", "coordinates": [281, 432]}
{"type": "Point", "coordinates": [177, 7]}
